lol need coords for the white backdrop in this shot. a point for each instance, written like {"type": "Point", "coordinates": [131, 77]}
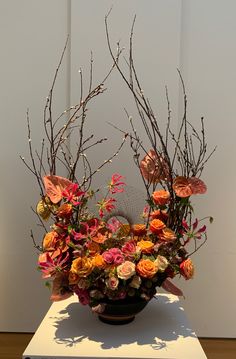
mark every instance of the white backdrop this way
{"type": "Point", "coordinates": [198, 38]}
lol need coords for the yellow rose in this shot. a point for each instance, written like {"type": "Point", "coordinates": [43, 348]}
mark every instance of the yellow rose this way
{"type": "Point", "coordinates": [145, 246]}
{"type": "Point", "coordinates": [82, 266]}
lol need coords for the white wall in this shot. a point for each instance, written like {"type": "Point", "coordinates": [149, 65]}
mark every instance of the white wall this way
{"type": "Point", "coordinates": [32, 37]}
{"type": "Point", "coordinates": [208, 59]}
{"type": "Point", "coordinates": [197, 37]}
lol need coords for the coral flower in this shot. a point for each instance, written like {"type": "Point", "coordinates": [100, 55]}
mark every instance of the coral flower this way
{"type": "Point", "coordinates": [146, 268]}
{"type": "Point", "coordinates": [50, 264]}
{"type": "Point", "coordinates": [115, 185]}
{"type": "Point", "coordinates": [187, 268]}
{"type": "Point", "coordinates": [154, 168]}
{"type": "Point", "coordinates": [139, 229]}
{"type": "Point", "coordinates": [72, 193]}
{"type": "Point", "coordinates": [156, 226]}
{"type": "Point", "coordinates": [161, 197]}
{"type": "Point", "coordinates": [106, 205]}
{"type": "Point", "coordinates": [185, 187]}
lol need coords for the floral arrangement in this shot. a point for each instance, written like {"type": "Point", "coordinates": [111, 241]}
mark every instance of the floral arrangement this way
{"type": "Point", "coordinates": [102, 260]}
{"type": "Point", "coordinates": [87, 250]}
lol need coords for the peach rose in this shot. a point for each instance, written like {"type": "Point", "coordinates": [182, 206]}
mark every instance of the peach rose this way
{"type": "Point", "coordinates": [136, 282]}
{"type": "Point", "coordinates": [161, 197]}
{"type": "Point", "coordinates": [145, 246]}
{"type": "Point", "coordinates": [112, 283]}
{"type": "Point", "coordinates": [156, 226]}
{"type": "Point", "coordinates": [126, 270]}
{"type": "Point", "coordinates": [167, 235]}
{"type": "Point", "coordinates": [187, 268]}
{"type": "Point", "coordinates": [146, 268]}
{"type": "Point", "coordinates": [82, 266]}
{"type": "Point", "coordinates": [139, 229]}
{"type": "Point", "coordinates": [162, 263]}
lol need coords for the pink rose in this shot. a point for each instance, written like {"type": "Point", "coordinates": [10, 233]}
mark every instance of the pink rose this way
{"type": "Point", "coordinates": [118, 259]}
{"type": "Point", "coordinates": [108, 257]}
{"type": "Point", "coordinates": [129, 249]}
{"type": "Point", "coordinates": [126, 270]}
{"type": "Point", "coordinates": [113, 255]}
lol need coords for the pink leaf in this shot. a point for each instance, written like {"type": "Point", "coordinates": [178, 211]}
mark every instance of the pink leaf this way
{"type": "Point", "coordinates": [171, 288]}
{"type": "Point", "coordinates": [54, 186]}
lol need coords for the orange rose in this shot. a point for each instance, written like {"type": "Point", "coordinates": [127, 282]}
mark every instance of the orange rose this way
{"type": "Point", "coordinates": [99, 262]}
{"type": "Point", "coordinates": [82, 266]}
{"type": "Point", "coordinates": [139, 229]}
{"type": "Point", "coordinates": [158, 214]}
{"type": "Point", "coordinates": [65, 210]}
{"type": "Point", "coordinates": [49, 241]}
{"type": "Point", "coordinates": [99, 238]}
{"type": "Point", "coordinates": [187, 268]}
{"type": "Point", "coordinates": [146, 268]}
{"type": "Point", "coordinates": [156, 226]}
{"type": "Point", "coordinates": [167, 235]}
{"type": "Point", "coordinates": [161, 197]}
{"type": "Point", "coordinates": [145, 246]}
{"type": "Point", "coordinates": [73, 278]}
{"type": "Point", "coordinates": [93, 248]}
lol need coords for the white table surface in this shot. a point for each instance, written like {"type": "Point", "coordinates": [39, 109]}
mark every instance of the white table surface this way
{"type": "Point", "coordinates": [70, 330]}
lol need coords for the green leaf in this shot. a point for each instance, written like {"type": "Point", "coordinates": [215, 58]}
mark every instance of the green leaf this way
{"type": "Point", "coordinates": [48, 285]}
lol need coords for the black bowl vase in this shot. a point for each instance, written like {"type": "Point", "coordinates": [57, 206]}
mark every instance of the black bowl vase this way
{"type": "Point", "coordinates": [122, 311]}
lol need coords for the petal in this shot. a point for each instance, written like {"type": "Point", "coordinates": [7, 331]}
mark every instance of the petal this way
{"type": "Point", "coordinates": [54, 185]}
{"type": "Point", "coordinates": [181, 187]}
{"type": "Point", "coordinates": [197, 185]}
{"type": "Point", "coordinates": [171, 288]}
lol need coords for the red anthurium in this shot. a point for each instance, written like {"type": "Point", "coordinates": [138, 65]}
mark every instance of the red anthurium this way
{"type": "Point", "coordinates": [185, 187]}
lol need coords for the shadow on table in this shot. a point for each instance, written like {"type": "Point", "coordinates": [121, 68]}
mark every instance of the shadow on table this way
{"type": "Point", "coordinates": [161, 321]}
